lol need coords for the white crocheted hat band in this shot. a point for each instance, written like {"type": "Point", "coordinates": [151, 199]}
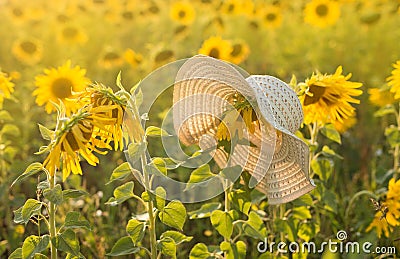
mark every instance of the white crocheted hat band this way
{"type": "Point", "coordinates": [278, 160]}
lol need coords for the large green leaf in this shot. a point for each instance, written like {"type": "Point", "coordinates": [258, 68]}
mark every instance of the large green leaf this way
{"type": "Point", "coordinates": [30, 208]}
{"type": "Point", "coordinates": [32, 169]}
{"type": "Point", "coordinates": [67, 242]}
{"type": "Point", "coordinates": [178, 237]}
{"type": "Point", "coordinates": [222, 221]}
{"type": "Point", "coordinates": [157, 167]}
{"type": "Point", "coordinates": [199, 251]}
{"type": "Point", "coordinates": [241, 200]}
{"type": "Point", "coordinates": [124, 246]}
{"type": "Point", "coordinates": [17, 254]}
{"type": "Point", "coordinates": [156, 131]}
{"type": "Point", "coordinates": [255, 227]}
{"type": "Point", "coordinates": [323, 167]}
{"type": "Point", "coordinates": [121, 194]}
{"type": "Point", "coordinates": [161, 194]}
{"type": "Point", "coordinates": [136, 230]}
{"type": "Point", "coordinates": [167, 247]}
{"type": "Point", "coordinates": [121, 172]}
{"type": "Point", "coordinates": [73, 194]}
{"type": "Point", "coordinates": [135, 150]}
{"type": "Point", "coordinates": [201, 174]}
{"type": "Point", "coordinates": [54, 195]}
{"type": "Point", "coordinates": [204, 211]}
{"type": "Point", "coordinates": [331, 133]}
{"type": "Point", "coordinates": [45, 132]}
{"type": "Point", "coordinates": [234, 251]}
{"type": "Point", "coordinates": [173, 215]}
{"type": "Point", "coordinates": [72, 221]}
{"type": "Point", "coordinates": [34, 244]}
{"type": "Point", "coordinates": [301, 213]}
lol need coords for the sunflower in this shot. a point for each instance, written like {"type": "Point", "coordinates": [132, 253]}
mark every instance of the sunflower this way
{"type": "Point", "coordinates": [327, 98]}
{"type": "Point", "coordinates": [271, 16]}
{"type": "Point", "coordinates": [163, 56]}
{"type": "Point", "coordinates": [71, 34]}
{"type": "Point", "coordinates": [29, 51]}
{"type": "Point", "coordinates": [133, 58]}
{"type": "Point", "coordinates": [110, 59]}
{"type": "Point", "coordinates": [6, 87]}
{"type": "Point", "coordinates": [394, 80]}
{"type": "Point", "coordinates": [322, 13]}
{"type": "Point", "coordinates": [73, 140]}
{"type": "Point", "coordinates": [348, 123]}
{"type": "Point", "coordinates": [240, 51]}
{"type": "Point", "coordinates": [237, 7]}
{"type": "Point", "coordinates": [380, 97]}
{"type": "Point", "coordinates": [216, 47]}
{"type": "Point", "coordinates": [58, 84]}
{"type": "Point", "coordinates": [182, 12]}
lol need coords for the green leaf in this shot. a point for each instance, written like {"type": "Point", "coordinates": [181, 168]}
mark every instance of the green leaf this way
{"type": "Point", "coordinates": [199, 251]}
{"type": "Point", "coordinates": [234, 251]}
{"type": "Point", "coordinates": [241, 200]}
{"type": "Point", "coordinates": [43, 185]}
{"type": "Point", "coordinates": [34, 244]}
{"type": "Point", "coordinates": [17, 254]}
{"type": "Point", "coordinates": [304, 200]}
{"type": "Point", "coordinates": [308, 230]}
{"type": "Point", "coordinates": [72, 221]}
{"type": "Point", "coordinates": [54, 195]}
{"type": "Point", "coordinates": [45, 132]}
{"type": "Point", "coordinates": [67, 242]}
{"type": "Point", "coordinates": [10, 130]}
{"type": "Point", "coordinates": [118, 81]}
{"type": "Point", "coordinates": [222, 222]}
{"type": "Point", "coordinates": [121, 172]}
{"type": "Point", "coordinates": [388, 109]}
{"type": "Point", "coordinates": [167, 247]}
{"type": "Point", "coordinates": [30, 208]}
{"type": "Point", "coordinates": [135, 150]}
{"type": "Point", "coordinates": [204, 211]}
{"type": "Point", "coordinates": [136, 230]}
{"type": "Point", "coordinates": [331, 133]}
{"type": "Point", "coordinates": [73, 194]}
{"type": "Point", "coordinates": [40, 256]}
{"type": "Point", "coordinates": [301, 213]}
{"type": "Point", "coordinates": [173, 215]}
{"type": "Point", "coordinates": [201, 174]}
{"type": "Point", "coordinates": [18, 216]}
{"type": "Point", "coordinates": [161, 194]}
{"type": "Point", "coordinates": [322, 167]}
{"type": "Point", "coordinates": [254, 227]}
{"type": "Point", "coordinates": [157, 167]}
{"type": "Point", "coordinates": [178, 237]}
{"type": "Point", "coordinates": [156, 131]}
{"type": "Point", "coordinates": [121, 194]}
{"type": "Point", "coordinates": [392, 134]}
{"type": "Point", "coordinates": [145, 196]}
{"type": "Point", "coordinates": [124, 246]}
{"type": "Point", "coordinates": [32, 169]}
{"type": "Point", "coordinates": [328, 152]}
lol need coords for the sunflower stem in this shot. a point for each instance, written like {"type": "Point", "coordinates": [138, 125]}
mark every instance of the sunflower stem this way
{"type": "Point", "coordinates": [396, 149]}
{"type": "Point", "coordinates": [52, 220]}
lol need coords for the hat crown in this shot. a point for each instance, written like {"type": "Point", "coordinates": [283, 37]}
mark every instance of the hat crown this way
{"type": "Point", "coordinates": [276, 97]}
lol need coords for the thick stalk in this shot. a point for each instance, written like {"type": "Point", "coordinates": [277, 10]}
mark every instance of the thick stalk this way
{"type": "Point", "coordinates": [52, 220]}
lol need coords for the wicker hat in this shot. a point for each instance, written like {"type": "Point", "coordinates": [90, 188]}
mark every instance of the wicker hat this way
{"type": "Point", "coordinates": [277, 159]}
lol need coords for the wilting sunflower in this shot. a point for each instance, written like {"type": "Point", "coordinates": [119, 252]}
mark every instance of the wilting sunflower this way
{"type": "Point", "coordinates": [109, 106]}
{"type": "Point", "coordinates": [73, 140]}
{"type": "Point", "coordinates": [271, 16]}
{"type": "Point", "coordinates": [322, 13]}
{"type": "Point", "coordinates": [183, 13]}
{"type": "Point", "coordinates": [380, 97]}
{"type": "Point", "coordinates": [216, 47]}
{"type": "Point", "coordinates": [327, 98]}
{"type": "Point", "coordinates": [29, 51]}
{"type": "Point", "coordinates": [58, 84]}
{"type": "Point", "coordinates": [394, 80]}
{"type": "Point", "coordinates": [240, 51]}
{"type": "Point", "coordinates": [71, 34]}
{"type": "Point", "coordinates": [111, 59]}
{"type": "Point", "coordinates": [6, 87]}
{"type": "Point", "coordinates": [133, 58]}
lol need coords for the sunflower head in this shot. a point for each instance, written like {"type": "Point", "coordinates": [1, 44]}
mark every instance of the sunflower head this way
{"type": "Point", "coordinates": [327, 98]}
{"type": "Point", "coordinates": [322, 13]}
{"type": "Point", "coordinates": [58, 84]}
{"type": "Point", "coordinates": [133, 58]}
{"type": "Point", "coordinates": [394, 80]}
{"type": "Point", "coordinates": [216, 47]}
{"type": "Point", "coordinates": [6, 87]}
{"type": "Point", "coordinates": [71, 34]}
{"type": "Point", "coordinates": [380, 96]}
{"type": "Point", "coordinates": [28, 51]}
{"type": "Point", "coordinates": [183, 13]}
{"type": "Point", "coordinates": [240, 51]}
{"type": "Point", "coordinates": [270, 16]}
{"type": "Point", "coordinates": [110, 59]}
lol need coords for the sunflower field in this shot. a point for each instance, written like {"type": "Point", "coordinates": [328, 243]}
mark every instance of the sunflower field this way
{"type": "Point", "coordinates": [74, 184]}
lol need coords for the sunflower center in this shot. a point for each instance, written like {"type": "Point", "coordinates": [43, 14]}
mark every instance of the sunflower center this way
{"type": "Point", "coordinates": [70, 32]}
{"type": "Point", "coordinates": [72, 141]}
{"type": "Point", "coordinates": [111, 56]}
{"type": "Point", "coordinates": [127, 15]}
{"type": "Point", "coordinates": [322, 10]}
{"type": "Point", "coordinates": [28, 47]}
{"type": "Point", "coordinates": [61, 87]}
{"type": "Point", "coordinates": [17, 12]}
{"type": "Point", "coordinates": [270, 17]}
{"type": "Point", "coordinates": [231, 8]}
{"type": "Point", "coordinates": [182, 14]}
{"type": "Point", "coordinates": [317, 93]}
{"type": "Point", "coordinates": [214, 52]}
{"type": "Point", "coordinates": [237, 50]}
{"type": "Point", "coordinates": [164, 55]}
